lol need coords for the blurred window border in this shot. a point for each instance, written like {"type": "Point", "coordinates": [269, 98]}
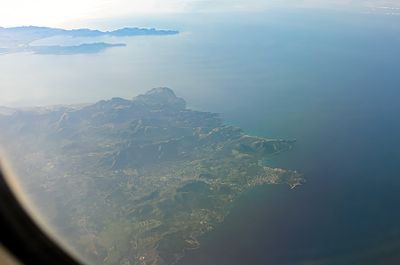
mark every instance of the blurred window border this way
{"type": "Point", "coordinates": [22, 236]}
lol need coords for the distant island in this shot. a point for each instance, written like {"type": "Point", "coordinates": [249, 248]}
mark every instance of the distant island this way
{"type": "Point", "coordinates": [77, 49]}
{"type": "Point", "coordinates": [136, 181]}
{"type": "Point", "coordinates": [20, 39]}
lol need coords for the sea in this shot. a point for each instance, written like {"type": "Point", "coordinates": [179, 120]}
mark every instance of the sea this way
{"type": "Point", "coordinates": [328, 78]}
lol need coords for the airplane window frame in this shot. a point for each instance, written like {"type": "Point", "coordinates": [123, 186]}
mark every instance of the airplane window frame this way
{"type": "Point", "coordinates": [22, 236]}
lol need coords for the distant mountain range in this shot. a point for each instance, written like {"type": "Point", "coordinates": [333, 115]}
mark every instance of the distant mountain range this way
{"type": "Point", "coordinates": [45, 32]}
{"type": "Point", "coordinates": [20, 39]}
{"type": "Point", "coordinates": [76, 49]}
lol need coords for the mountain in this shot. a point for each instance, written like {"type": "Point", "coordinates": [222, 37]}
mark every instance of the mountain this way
{"type": "Point", "coordinates": [20, 39]}
{"type": "Point", "coordinates": [85, 48]}
{"type": "Point", "coordinates": [161, 97]}
{"type": "Point", "coordinates": [35, 32]}
{"type": "Point", "coordinates": [137, 181]}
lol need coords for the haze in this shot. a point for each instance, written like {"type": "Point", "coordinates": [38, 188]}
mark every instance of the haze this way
{"type": "Point", "coordinates": [225, 53]}
{"type": "Point", "coordinates": [62, 13]}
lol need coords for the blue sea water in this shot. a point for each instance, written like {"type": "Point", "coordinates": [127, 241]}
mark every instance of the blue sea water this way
{"type": "Point", "coordinates": [334, 85]}
{"type": "Point", "coordinates": [330, 79]}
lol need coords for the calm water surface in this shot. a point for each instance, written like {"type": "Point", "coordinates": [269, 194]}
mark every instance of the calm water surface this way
{"type": "Point", "coordinates": [336, 91]}
{"type": "Point", "coordinates": [329, 80]}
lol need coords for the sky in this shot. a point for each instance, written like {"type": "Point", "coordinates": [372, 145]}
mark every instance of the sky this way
{"type": "Point", "coordinates": [60, 12]}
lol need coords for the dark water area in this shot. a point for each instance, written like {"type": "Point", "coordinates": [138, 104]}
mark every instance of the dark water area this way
{"type": "Point", "coordinates": [345, 118]}
{"type": "Point", "coordinates": [347, 212]}
{"type": "Point", "coordinates": [329, 79]}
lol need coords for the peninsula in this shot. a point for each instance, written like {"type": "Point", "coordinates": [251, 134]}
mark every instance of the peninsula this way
{"type": "Point", "coordinates": [21, 39]}
{"type": "Point", "coordinates": [136, 181]}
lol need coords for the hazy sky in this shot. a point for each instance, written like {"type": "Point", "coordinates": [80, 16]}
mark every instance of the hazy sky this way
{"type": "Point", "coordinates": [59, 12]}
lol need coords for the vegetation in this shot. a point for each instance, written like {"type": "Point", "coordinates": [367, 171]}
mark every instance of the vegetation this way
{"type": "Point", "coordinates": [137, 181]}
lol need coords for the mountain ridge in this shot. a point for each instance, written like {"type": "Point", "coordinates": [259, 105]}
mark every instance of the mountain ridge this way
{"type": "Point", "coordinates": [21, 39]}
{"type": "Point", "coordinates": [86, 32]}
{"type": "Point", "coordinates": [133, 180]}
